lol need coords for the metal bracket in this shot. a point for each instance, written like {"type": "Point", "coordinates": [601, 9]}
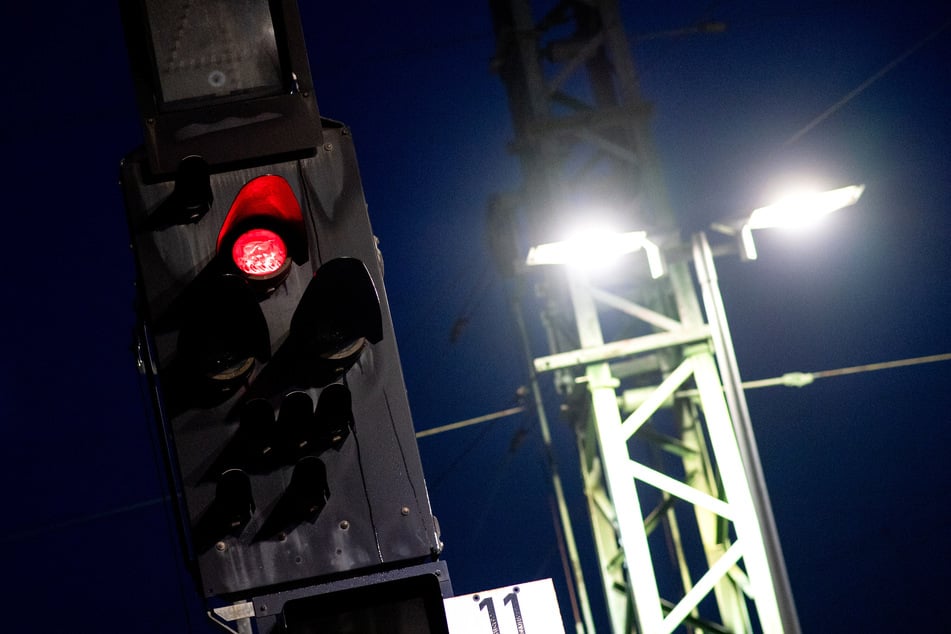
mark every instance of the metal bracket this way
{"type": "Point", "coordinates": [240, 613]}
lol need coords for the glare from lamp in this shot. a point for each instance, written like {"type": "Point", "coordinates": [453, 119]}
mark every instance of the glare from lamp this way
{"type": "Point", "coordinates": [596, 249]}
{"type": "Point", "coordinates": [804, 209]}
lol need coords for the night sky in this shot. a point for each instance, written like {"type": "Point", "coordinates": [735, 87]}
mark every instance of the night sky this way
{"type": "Point", "coordinates": [856, 465]}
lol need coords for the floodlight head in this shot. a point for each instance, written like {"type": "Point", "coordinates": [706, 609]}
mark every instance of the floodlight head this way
{"type": "Point", "coordinates": [595, 249]}
{"type": "Point", "coordinates": [804, 208]}
{"type": "Point", "coordinates": [795, 211]}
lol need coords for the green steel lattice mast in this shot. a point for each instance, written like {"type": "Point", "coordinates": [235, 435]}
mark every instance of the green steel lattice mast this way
{"type": "Point", "coordinates": [678, 509]}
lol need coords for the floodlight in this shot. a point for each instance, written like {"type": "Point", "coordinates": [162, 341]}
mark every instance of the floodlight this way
{"type": "Point", "coordinates": [804, 208]}
{"type": "Point", "coordinates": [595, 249]}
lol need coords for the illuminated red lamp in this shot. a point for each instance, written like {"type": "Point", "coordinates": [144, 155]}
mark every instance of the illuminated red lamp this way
{"type": "Point", "coordinates": [260, 253]}
{"type": "Point", "coordinates": [264, 230]}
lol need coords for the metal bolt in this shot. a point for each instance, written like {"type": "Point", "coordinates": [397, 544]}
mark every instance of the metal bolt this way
{"type": "Point", "coordinates": [344, 525]}
{"type": "Point", "coordinates": [329, 147]}
{"type": "Point", "coordinates": [405, 510]}
{"type": "Point", "coordinates": [221, 547]}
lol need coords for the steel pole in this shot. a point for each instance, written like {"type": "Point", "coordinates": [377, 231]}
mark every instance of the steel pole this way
{"type": "Point", "coordinates": [586, 624]}
{"type": "Point", "coordinates": [743, 429]}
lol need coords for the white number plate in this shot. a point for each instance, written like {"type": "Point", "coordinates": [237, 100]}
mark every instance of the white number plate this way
{"type": "Point", "coordinates": [526, 608]}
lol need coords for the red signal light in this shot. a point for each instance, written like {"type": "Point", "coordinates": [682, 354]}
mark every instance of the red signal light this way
{"type": "Point", "coordinates": [260, 253]}
{"type": "Point", "coordinates": [264, 229]}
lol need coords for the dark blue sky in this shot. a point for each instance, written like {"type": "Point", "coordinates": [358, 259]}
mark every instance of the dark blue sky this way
{"type": "Point", "coordinates": [855, 465]}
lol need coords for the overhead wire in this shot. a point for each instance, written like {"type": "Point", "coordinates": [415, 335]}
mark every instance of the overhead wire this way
{"type": "Point", "coordinates": [789, 379]}
{"type": "Point", "coordinates": [801, 379]}
{"type": "Point", "coordinates": [473, 301]}
{"type": "Point", "coordinates": [432, 431]}
{"type": "Point", "coordinates": [436, 482]}
{"type": "Point", "coordinates": [885, 365]}
{"type": "Point", "coordinates": [499, 471]}
{"type": "Point", "coordinates": [828, 112]}
{"type": "Point", "coordinates": [81, 519]}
